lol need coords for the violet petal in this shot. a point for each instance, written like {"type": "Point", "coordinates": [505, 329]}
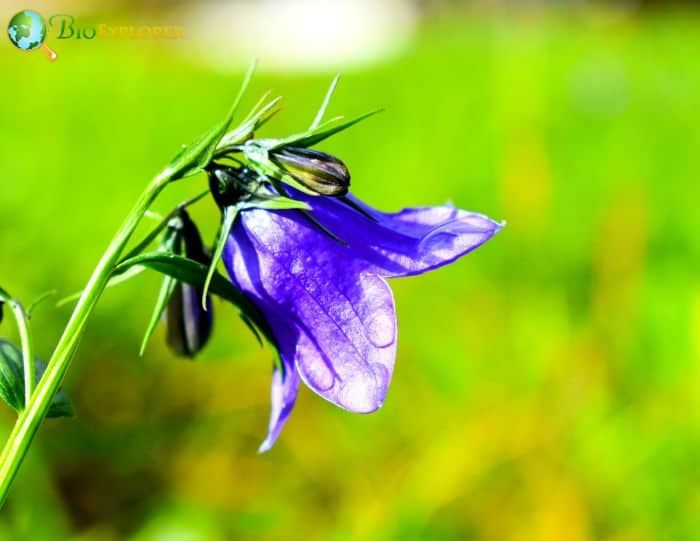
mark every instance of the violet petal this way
{"type": "Point", "coordinates": [343, 314]}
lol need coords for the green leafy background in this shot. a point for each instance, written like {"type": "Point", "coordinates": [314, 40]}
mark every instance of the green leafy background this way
{"type": "Point", "coordinates": [547, 386]}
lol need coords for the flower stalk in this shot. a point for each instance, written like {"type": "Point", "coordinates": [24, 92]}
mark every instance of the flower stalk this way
{"type": "Point", "coordinates": [39, 400]}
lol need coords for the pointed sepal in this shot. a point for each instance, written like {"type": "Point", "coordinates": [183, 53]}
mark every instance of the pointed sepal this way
{"type": "Point", "coordinates": [194, 157]}
{"type": "Point", "coordinates": [315, 136]}
{"type": "Point", "coordinates": [228, 218]}
{"type": "Point", "coordinates": [164, 293]}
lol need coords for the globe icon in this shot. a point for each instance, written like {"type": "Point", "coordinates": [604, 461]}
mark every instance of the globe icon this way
{"type": "Point", "coordinates": [27, 30]}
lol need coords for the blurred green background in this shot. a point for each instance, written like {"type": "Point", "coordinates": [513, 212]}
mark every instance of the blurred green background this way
{"type": "Point", "coordinates": [547, 386]}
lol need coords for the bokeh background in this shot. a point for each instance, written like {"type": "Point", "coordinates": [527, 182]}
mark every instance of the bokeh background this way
{"type": "Point", "coordinates": [547, 386]}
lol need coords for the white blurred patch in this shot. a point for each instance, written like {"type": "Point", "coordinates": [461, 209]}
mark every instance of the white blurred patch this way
{"type": "Point", "coordinates": [298, 35]}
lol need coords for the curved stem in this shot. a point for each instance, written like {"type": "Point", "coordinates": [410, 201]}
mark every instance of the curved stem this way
{"type": "Point", "coordinates": [22, 319]}
{"type": "Point", "coordinates": [29, 420]}
{"type": "Point", "coordinates": [27, 349]}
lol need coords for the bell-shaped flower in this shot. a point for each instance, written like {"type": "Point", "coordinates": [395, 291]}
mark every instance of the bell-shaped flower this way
{"type": "Point", "coordinates": [326, 297]}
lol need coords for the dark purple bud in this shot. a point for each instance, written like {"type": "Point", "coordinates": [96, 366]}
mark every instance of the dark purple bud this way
{"type": "Point", "coordinates": [231, 185]}
{"type": "Point", "coordinates": [317, 171]}
{"type": "Point", "coordinates": [188, 325]}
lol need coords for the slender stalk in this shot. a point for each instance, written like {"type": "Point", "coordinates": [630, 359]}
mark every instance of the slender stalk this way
{"type": "Point", "coordinates": [27, 349]}
{"type": "Point", "coordinates": [29, 420]}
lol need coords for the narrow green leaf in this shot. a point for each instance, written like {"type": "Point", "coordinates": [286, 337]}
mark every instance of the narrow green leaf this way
{"type": "Point", "coordinates": [116, 279]}
{"type": "Point", "coordinates": [322, 111]}
{"type": "Point", "coordinates": [164, 294]}
{"type": "Point", "coordinates": [194, 273]}
{"type": "Point", "coordinates": [194, 157]}
{"type": "Point", "coordinates": [162, 224]}
{"type": "Point", "coordinates": [244, 86]}
{"type": "Point", "coordinates": [257, 106]}
{"type": "Point", "coordinates": [152, 236]}
{"type": "Point", "coordinates": [311, 138]}
{"type": "Point", "coordinates": [39, 300]}
{"type": "Point", "coordinates": [246, 129]}
{"type": "Point", "coordinates": [227, 220]}
{"type": "Point", "coordinates": [329, 122]}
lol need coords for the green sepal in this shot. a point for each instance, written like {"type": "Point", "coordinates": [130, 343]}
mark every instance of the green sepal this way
{"type": "Point", "coordinates": [12, 382]}
{"type": "Point", "coordinates": [277, 203]}
{"type": "Point", "coordinates": [194, 273]}
{"type": "Point", "coordinates": [322, 110]}
{"type": "Point", "coordinates": [254, 122]}
{"type": "Point", "coordinates": [164, 294]}
{"type": "Point", "coordinates": [350, 203]}
{"type": "Point", "coordinates": [323, 228]}
{"type": "Point", "coordinates": [257, 106]}
{"type": "Point", "coordinates": [228, 218]}
{"type": "Point", "coordinates": [315, 136]}
{"type": "Point", "coordinates": [306, 211]}
{"type": "Point", "coordinates": [194, 157]}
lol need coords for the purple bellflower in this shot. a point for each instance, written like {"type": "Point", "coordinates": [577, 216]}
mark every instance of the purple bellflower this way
{"type": "Point", "coordinates": [314, 260]}
{"type": "Point", "coordinates": [328, 303]}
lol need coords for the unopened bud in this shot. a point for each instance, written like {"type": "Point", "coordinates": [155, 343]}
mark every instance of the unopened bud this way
{"type": "Point", "coordinates": [317, 171]}
{"type": "Point", "coordinates": [188, 325]}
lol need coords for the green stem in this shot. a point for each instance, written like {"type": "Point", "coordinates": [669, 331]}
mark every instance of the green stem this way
{"type": "Point", "coordinates": [29, 420]}
{"type": "Point", "coordinates": [27, 349]}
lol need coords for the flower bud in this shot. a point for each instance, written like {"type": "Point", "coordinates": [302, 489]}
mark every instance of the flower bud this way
{"type": "Point", "coordinates": [231, 185]}
{"type": "Point", "coordinates": [188, 324]}
{"type": "Point", "coordinates": [318, 171]}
